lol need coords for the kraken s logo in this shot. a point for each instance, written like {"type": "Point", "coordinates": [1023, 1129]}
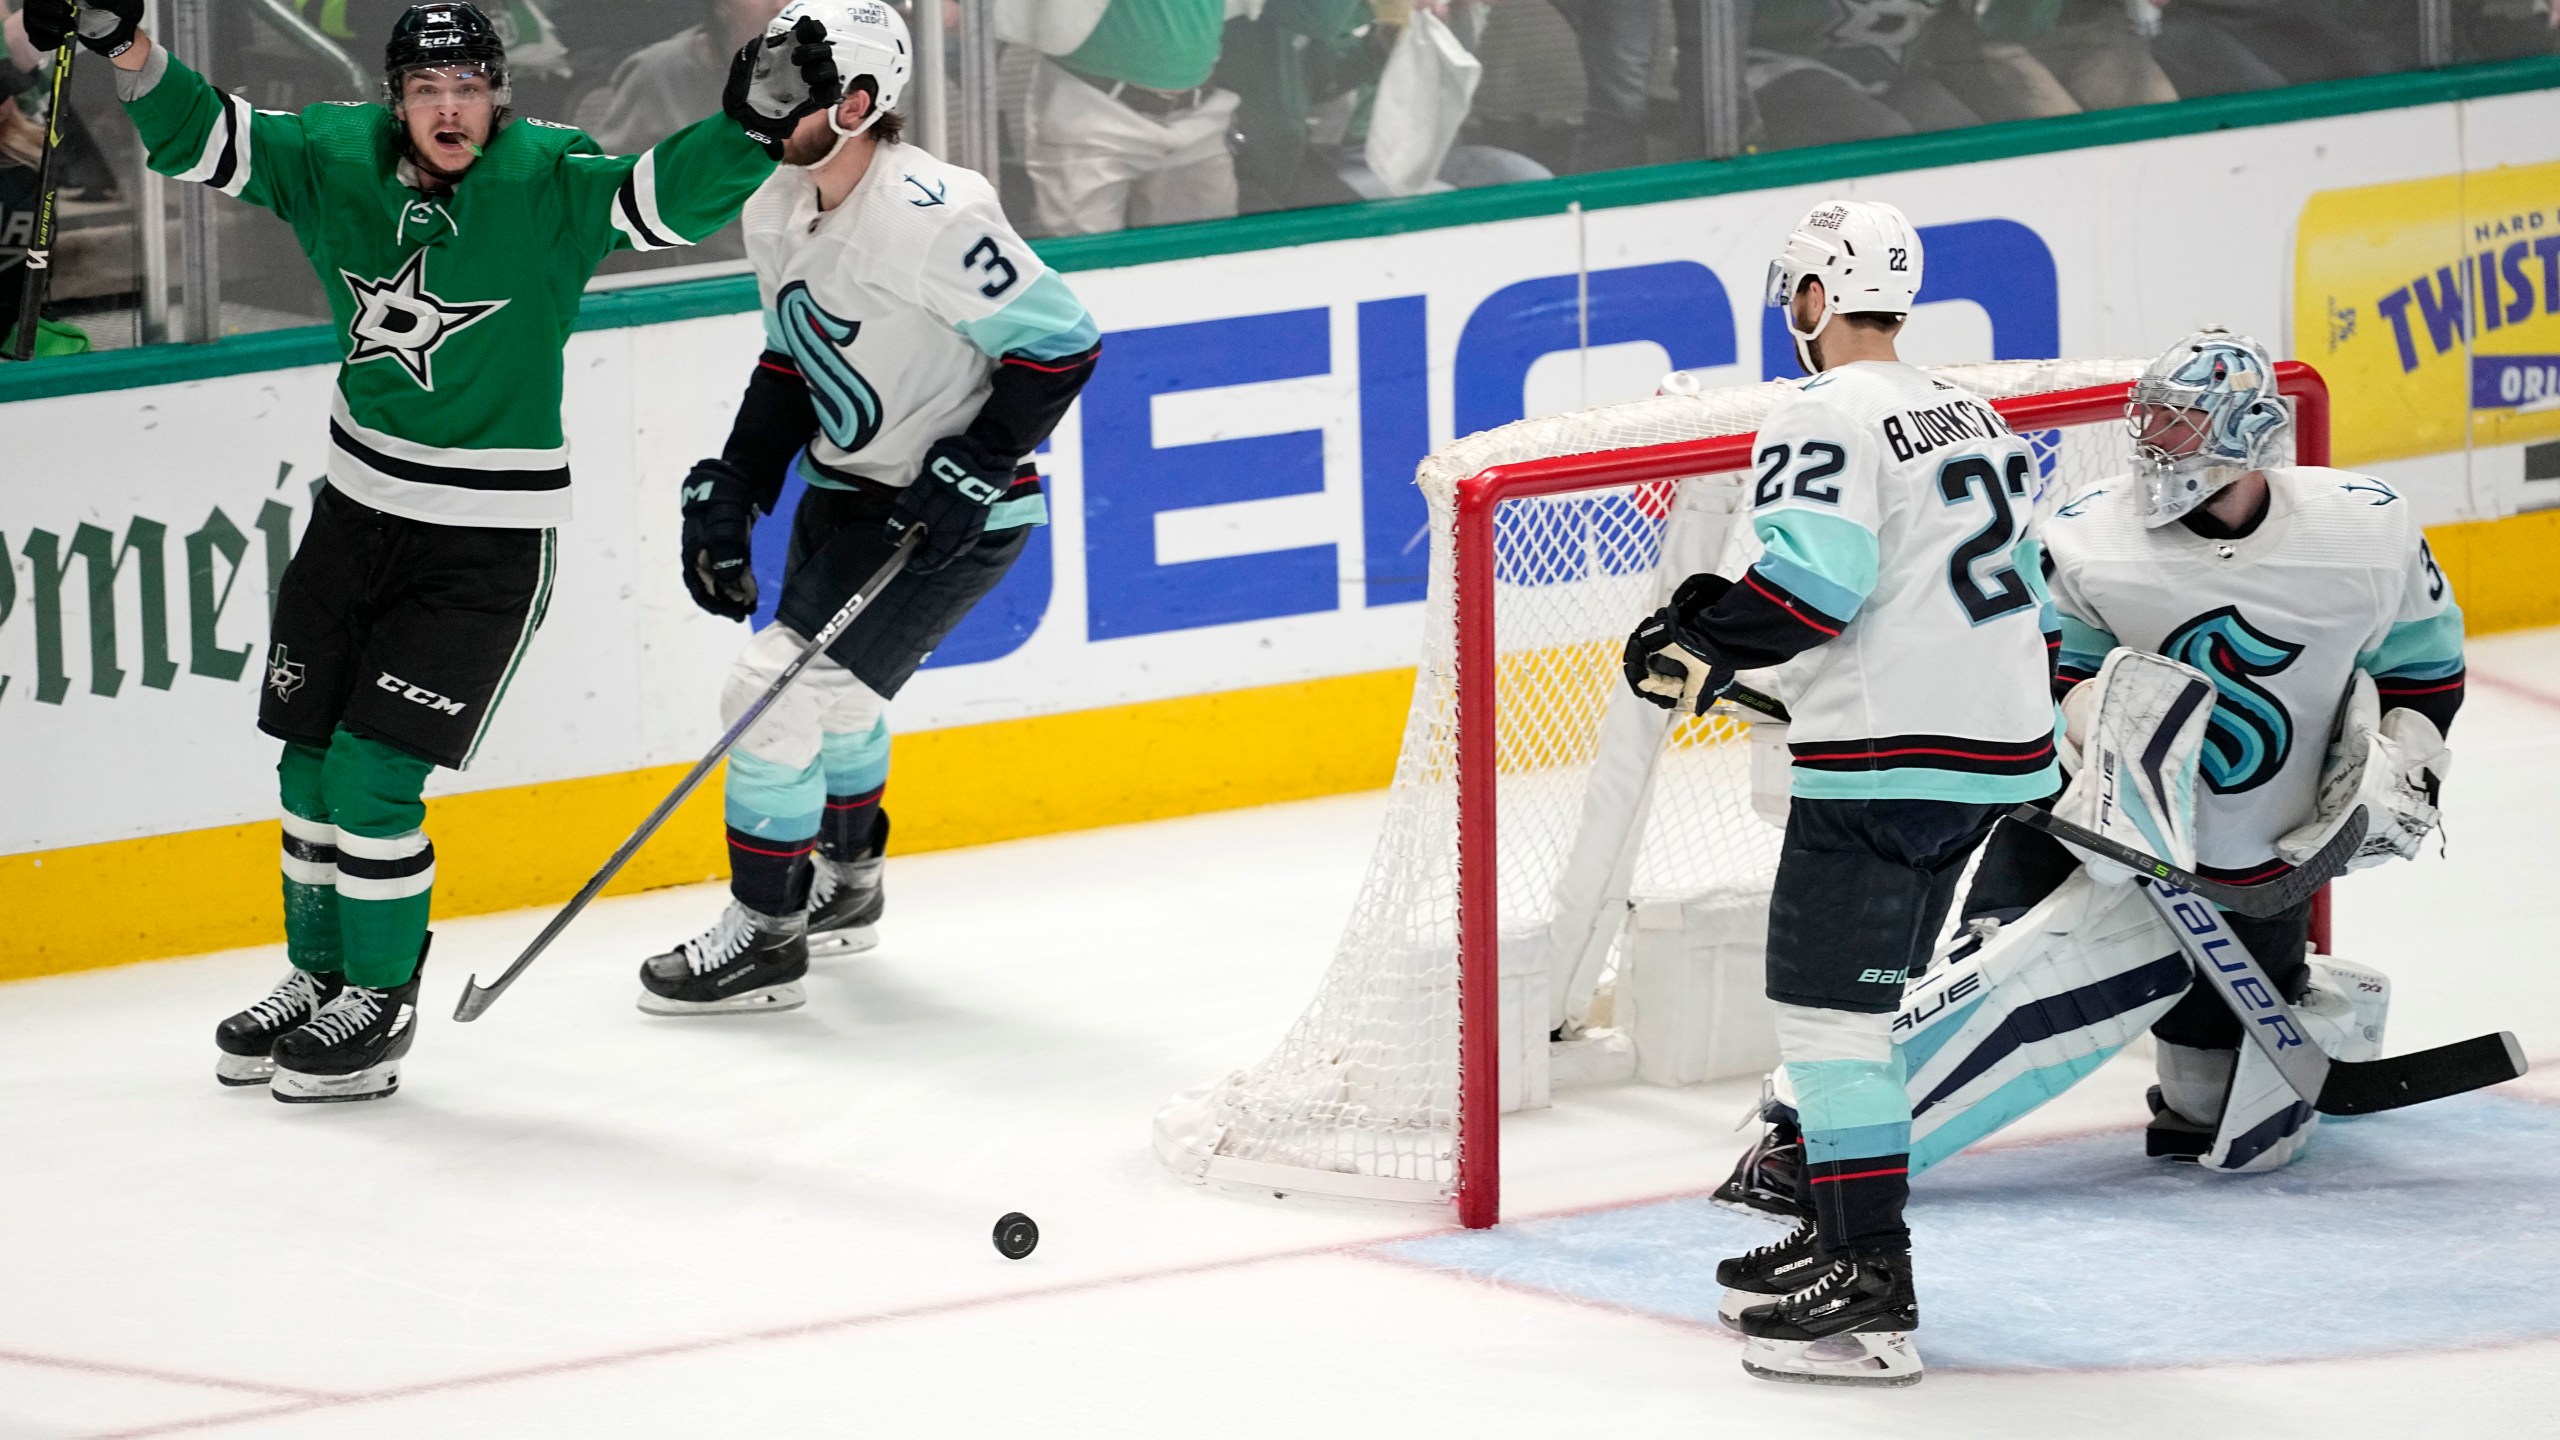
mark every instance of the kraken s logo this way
{"type": "Point", "coordinates": [848, 408]}
{"type": "Point", "coordinates": [2251, 732]}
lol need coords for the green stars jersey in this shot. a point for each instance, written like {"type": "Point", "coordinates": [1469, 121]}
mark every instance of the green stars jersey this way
{"type": "Point", "coordinates": [452, 309]}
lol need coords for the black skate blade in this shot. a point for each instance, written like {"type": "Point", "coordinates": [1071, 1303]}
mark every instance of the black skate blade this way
{"type": "Point", "coordinates": [2368, 1087]}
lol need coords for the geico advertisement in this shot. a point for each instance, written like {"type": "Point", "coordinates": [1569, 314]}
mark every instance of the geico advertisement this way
{"type": "Point", "coordinates": [2433, 306]}
{"type": "Point", "coordinates": [1232, 498]}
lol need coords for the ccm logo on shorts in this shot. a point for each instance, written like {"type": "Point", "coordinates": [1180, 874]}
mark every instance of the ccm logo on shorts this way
{"type": "Point", "coordinates": [417, 696]}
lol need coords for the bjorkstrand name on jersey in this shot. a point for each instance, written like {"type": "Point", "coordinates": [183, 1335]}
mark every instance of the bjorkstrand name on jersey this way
{"type": "Point", "coordinates": [1925, 429]}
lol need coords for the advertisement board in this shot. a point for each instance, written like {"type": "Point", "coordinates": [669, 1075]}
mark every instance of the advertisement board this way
{"type": "Point", "coordinates": [1231, 498]}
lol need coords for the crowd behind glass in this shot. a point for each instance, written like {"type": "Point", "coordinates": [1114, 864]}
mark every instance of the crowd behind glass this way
{"type": "Point", "coordinates": [1109, 114]}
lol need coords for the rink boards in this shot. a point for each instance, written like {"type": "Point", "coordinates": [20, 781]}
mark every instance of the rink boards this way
{"type": "Point", "coordinates": [1225, 609]}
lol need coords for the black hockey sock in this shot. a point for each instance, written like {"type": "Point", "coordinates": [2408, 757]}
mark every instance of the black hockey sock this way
{"type": "Point", "coordinates": [770, 877]}
{"type": "Point", "coordinates": [846, 831]}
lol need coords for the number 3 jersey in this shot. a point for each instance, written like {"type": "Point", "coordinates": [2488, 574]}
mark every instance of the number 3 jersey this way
{"type": "Point", "coordinates": [2335, 578]}
{"type": "Point", "coordinates": [1891, 510]}
{"type": "Point", "coordinates": [898, 305]}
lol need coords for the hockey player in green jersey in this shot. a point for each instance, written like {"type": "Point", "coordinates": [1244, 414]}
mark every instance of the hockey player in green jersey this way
{"type": "Point", "coordinates": [453, 243]}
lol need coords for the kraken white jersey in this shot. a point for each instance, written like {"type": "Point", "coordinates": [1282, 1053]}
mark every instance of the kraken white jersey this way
{"type": "Point", "coordinates": [2336, 578]}
{"type": "Point", "coordinates": [897, 306]}
{"type": "Point", "coordinates": [1891, 509]}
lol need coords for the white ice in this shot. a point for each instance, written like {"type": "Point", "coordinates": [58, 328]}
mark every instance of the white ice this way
{"type": "Point", "coordinates": [576, 1220]}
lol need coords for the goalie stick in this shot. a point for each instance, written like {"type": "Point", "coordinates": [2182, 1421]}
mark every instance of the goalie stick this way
{"type": "Point", "coordinates": [476, 997]}
{"type": "Point", "coordinates": [2259, 900]}
{"type": "Point", "coordinates": [2334, 1087]}
{"type": "Point", "coordinates": [35, 276]}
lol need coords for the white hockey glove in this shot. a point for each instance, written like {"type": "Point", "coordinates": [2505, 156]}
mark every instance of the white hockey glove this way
{"type": "Point", "coordinates": [2079, 720]}
{"type": "Point", "coordinates": [2393, 765]}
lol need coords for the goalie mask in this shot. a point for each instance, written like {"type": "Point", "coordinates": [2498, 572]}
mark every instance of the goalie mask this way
{"type": "Point", "coordinates": [1867, 257]}
{"type": "Point", "coordinates": [2203, 415]}
{"type": "Point", "coordinates": [870, 43]}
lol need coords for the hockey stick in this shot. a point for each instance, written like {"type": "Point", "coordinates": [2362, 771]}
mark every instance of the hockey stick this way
{"type": "Point", "coordinates": [2267, 897]}
{"type": "Point", "coordinates": [476, 997]}
{"type": "Point", "coordinates": [2334, 1087]}
{"type": "Point", "coordinates": [36, 280]}
{"type": "Point", "coordinates": [2257, 901]}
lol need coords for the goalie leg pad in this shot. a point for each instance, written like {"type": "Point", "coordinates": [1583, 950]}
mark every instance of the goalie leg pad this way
{"type": "Point", "coordinates": [2263, 1125]}
{"type": "Point", "coordinates": [2044, 1000]}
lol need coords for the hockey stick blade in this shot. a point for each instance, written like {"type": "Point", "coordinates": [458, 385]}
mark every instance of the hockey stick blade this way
{"type": "Point", "coordinates": [476, 997]}
{"type": "Point", "coordinates": [2364, 1087]}
{"type": "Point", "coordinates": [2257, 901]}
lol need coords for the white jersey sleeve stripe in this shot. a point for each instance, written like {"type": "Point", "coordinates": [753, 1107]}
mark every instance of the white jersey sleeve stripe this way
{"type": "Point", "coordinates": [635, 209]}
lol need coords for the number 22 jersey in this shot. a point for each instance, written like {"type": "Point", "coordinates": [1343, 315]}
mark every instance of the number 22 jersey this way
{"type": "Point", "coordinates": [1891, 511]}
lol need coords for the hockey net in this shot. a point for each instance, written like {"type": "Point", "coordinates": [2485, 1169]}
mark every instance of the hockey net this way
{"type": "Point", "coordinates": [1535, 802]}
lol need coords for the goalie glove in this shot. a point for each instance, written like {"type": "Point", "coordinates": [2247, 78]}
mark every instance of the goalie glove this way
{"type": "Point", "coordinates": [1666, 658]}
{"type": "Point", "coordinates": [2394, 766]}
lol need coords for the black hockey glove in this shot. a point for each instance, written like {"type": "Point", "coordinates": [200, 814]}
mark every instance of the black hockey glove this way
{"type": "Point", "coordinates": [1666, 659]}
{"type": "Point", "coordinates": [770, 87]}
{"type": "Point", "coordinates": [950, 499]}
{"type": "Point", "coordinates": [719, 531]}
{"type": "Point", "coordinates": [106, 27]}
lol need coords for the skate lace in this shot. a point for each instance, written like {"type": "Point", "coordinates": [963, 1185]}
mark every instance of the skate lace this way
{"type": "Point", "coordinates": [349, 1015]}
{"type": "Point", "coordinates": [823, 884]}
{"type": "Point", "coordinates": [723, 942]}
{"type": "Point", "coordinates": [1823, 1285]}
{"type": "Point", "coordinates": [292, 996]}
{"type": "Point", "coordinates": [1773, 1247]}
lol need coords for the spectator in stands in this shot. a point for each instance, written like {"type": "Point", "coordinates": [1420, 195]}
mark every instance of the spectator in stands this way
{"type": "Point", "coordinates": [1302, 72]}
{"type": "Point", "coordinates": [1826, 71]}
{"type": "Point", "coordinates": [2027, 59]}
{"type": "Point", "coordinates": [1617, 39]}
{"type": "Point", "coordinates": [669, 85]}
{"type": "Point", "coordinates": [1123, 126]}
{"type": "Point", "coordinates": [2218, 47]}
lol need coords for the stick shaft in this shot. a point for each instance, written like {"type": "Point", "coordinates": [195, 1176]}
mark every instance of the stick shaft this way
{"type": "Point", "coordinates": [37, 269]}
{"type": "Point", "coordinates": [477, 997]}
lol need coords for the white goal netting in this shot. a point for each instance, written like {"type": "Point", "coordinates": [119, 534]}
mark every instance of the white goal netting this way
{"type": "Point", "coordinates": [1601, 802]}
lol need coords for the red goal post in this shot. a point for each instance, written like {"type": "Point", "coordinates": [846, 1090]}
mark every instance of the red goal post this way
{"type": "Point", "coordinates": [1478, 499]}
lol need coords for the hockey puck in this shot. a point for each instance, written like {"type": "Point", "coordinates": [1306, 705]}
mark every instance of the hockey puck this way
{"type": "Point", "coordinates": [1016, 1236]}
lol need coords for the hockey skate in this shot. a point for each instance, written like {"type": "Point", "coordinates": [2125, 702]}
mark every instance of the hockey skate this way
{"type": "Point", "coordinates": [747, 961]}
{"type": "Point", "coordinates": [1851, 1326]}
{"type": "Point", "coordinates": [1771, 1272]}
{"type": "Point", "coordinates": [248, 1040]}
{"type": "Point", "coordinates": [846, 898]}
{"type": "Point", "coordinates": [1765, 1180]}
{"type": "Point", "coordinates": [2172, 1136]}
{"type": "Point", "coordinates": [350, 1049]}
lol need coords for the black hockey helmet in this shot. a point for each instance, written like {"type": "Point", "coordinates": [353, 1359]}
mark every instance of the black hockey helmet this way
{"type": "Point", "coordinates": [442, 34]}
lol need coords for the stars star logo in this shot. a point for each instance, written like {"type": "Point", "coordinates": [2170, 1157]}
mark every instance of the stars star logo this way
{"type": "Point", "coordinates": [284, 675]}
{"type": "Point", "coordinates": [1888, 26]}
{"type": "Point", "coordinates": [401, 319]}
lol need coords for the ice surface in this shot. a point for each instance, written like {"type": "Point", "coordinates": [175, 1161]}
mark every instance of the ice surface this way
{"type": "Point", "coordinates": [2395, 1232]}
{"type": "Point", "coordinates": [576, 1220]}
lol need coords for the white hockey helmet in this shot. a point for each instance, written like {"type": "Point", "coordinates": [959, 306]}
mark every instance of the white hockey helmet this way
{"type": "Point", "coordinates": [2203, 415]}
{"type": "Point", "coordinates": [1864, 252]}
{"type": "Point", "coordinates": [869, 40]}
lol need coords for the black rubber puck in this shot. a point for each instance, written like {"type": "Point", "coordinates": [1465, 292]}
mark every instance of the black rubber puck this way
{"type": "Point", "coordinates": [1016, 1236]}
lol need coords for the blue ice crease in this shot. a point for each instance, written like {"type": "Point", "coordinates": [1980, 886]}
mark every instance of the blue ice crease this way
{"type": "Point", "coordinates": [2432, 1228]}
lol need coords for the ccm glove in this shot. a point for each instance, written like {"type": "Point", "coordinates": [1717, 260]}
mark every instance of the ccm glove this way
{"type": "Point", "coordinates": [1666, 657]}
{"type": "Point", "coordinates": [778, 78]}
{"type": "Point", "coordinates": [106, 27]}
{"type": "Point", "coordinates": [719, 529]}
{"type": "Point", "coordinates": [950, 499]}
